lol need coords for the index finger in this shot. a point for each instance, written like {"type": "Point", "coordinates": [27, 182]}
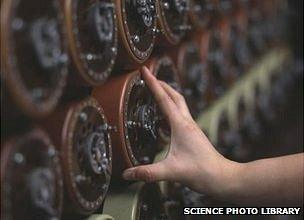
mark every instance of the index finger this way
{"type": "Point", "coordinates": [165, 103]}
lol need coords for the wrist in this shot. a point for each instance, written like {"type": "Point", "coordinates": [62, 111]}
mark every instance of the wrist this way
{"type": "Point", "coordinates": [225, 180]}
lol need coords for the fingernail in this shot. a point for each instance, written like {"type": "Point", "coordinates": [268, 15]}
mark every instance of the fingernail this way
{"type": "Point", "coordinates": [143, 68]}
{"type": "Point", "coordinates": [146, 70]}
{"type": "Point", "coordinates": [128, 174]}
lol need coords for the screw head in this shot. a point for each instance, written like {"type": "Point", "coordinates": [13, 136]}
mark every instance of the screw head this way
{"type": "Point", "coordinates": [83, 117]}
{"type": "Point", "coordinates": [51, 152]}
{"type": "Point", "coordinates": [136, 38]}
{"type": "Point", "coordinates": [19, 158]}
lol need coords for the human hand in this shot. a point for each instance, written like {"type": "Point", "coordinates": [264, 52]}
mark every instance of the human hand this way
{"type": "Point", "coordinates": [191, 160]}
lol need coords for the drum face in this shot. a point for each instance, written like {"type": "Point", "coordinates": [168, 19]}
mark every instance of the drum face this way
{"type": "Point", "coordinates": [31, 179]}
{"type": "Point", "coordinates": [194, 78]}
{"type": "Point", "coordinates": [142, 119]}
{"type": "Point", "coordinates": [33, 53]}
{"type": "Point", "coordinates": [239, 42]}
{"type": "Point", "coordinates": [92, 32]}
{"type": "Point", "coordinates": [164, 69]}
{"type": "Point", "coordinates": [226, 138]}
{"type": "Point", "coordinates": [200, 13]}
{"type": "Point", "coordinates": [88, 155]}
{"type": "Point", "coordinates": [173, 20]}
{"type": "Point", "coordinates": [219, 65]}
{"type": "Point", "coordinates": [137, 23]}
{"type": "Point", "coordinates": [132, 111]}
{"type": "Point", "coordinates": [150, 204]}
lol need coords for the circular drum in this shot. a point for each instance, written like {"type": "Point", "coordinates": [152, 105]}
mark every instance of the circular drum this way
{"type": "Point", "coordinates": [200, 13]}
{"type": "Point", "coordinates": [129, 106]}
{"type": "Point", "coordinates": [202, 40]}
{"type": "Point", "coordinates": [221, 133]}
{"type": "Point", "coordinates": [92, 34]}
{"type": "Point", "coordinates": [33, 54]}
{"type": "Point", "coordinates": [251, 130]}
{"type": "Point", "coordinates": [164, 69]}
{"type": "Point", "coordinates": [221, 74]}
{"type": "Point", "coordinates": [256, 23]}
{"type": "Point", "coordinates": [31, 178]}
{"type": "Point", "coordinates": [194, 77]}
{"type": "Point", "coordinates": [81, 131]}
{"type": "Point", "coordinates": [173, 200]}
{"type": "Point", "coordinates": [137, 30]}
{"type": "Point", "coordinates": [172, 19]}
{"type": "Point", "coordinates": [228, 138]}
{"type": "Point", "coordinates": [176, 197]}
{"type": "Point", "coordinates": [138, 201]}
{"type": "Point", "coordinates": [223, 7]}
{"type": "Point", "coordinates": [239, 51]}
{"type": "Point", "coordinates": [243, 125]}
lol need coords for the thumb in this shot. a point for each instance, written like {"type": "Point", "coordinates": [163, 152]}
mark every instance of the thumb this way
{"type": "Point", "coordinates": [148, 173]}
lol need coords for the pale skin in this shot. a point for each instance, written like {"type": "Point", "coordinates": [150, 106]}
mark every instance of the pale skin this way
{"type": "Point", "coordinates": [193, 161]}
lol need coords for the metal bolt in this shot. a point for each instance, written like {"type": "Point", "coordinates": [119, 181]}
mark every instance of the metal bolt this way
{"type": "Point", "coordinates": [136, 38]}
{"type": "Point", "coordinates": [37, 93]}
{"type": "Point", "coordinates": [145, 160]}
{"type": "Point", "coordinates": [145, 207]}
{"type": "Point", "coordinates": [197, 8]}
{"type": "Point", "coordinates": [89, 57]}
{"type": "Point", "coordinates": [142, 2]}
{"type": "Point", "coordinates": [131, 124]}
{"type": "Point", "coordinates": [103, 127]}
{"type": "Point", "coordinates": [83, 117]}
{"type": "Point", "coordinates": [166, 5]}
{"type": "Point", "coordinates": [18, 24]}
{"type": "Point", "coordinates": [80, 178]}
{"type": "Point", "coordinates": [51, 152]}
{"type": "Point", "coordinates": [114, 49]}
{"type": "Point", "coordinates": [112, 128]}
{"type": "Point", "coordinates": [19, 158]}
{"type": "Point", "coordinates": [105, 161]}
{"type": "Point", "coordinates": [109, 5]}
{"type": "Point", "coordinates": [104, 187]}
{"type": "Point", "coordinates": [63, 58]}
{"type": "Point", "coordinates": [184, 28]}
{"type": "Point", "coordinates": [141, 83]}
{"type": "Point", "coordinates": [108, 128]}
{"type": "Point", "coordinates": [154, 31]}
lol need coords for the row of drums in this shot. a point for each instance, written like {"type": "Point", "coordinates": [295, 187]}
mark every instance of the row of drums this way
{"type": "Point", "coordinates": [75, 111]}
{"type": "Point", "coordinates": [237, 124]}
{"type": "Point", "coordinates": [51, 45]}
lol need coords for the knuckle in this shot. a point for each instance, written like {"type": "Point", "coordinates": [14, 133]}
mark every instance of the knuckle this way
{"type": "Point", "coordinates": [136, 174]}
{"type": "Point", "coordinates": [147, 175]}
{"type": "Point", "coordinates": [190, 126]}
